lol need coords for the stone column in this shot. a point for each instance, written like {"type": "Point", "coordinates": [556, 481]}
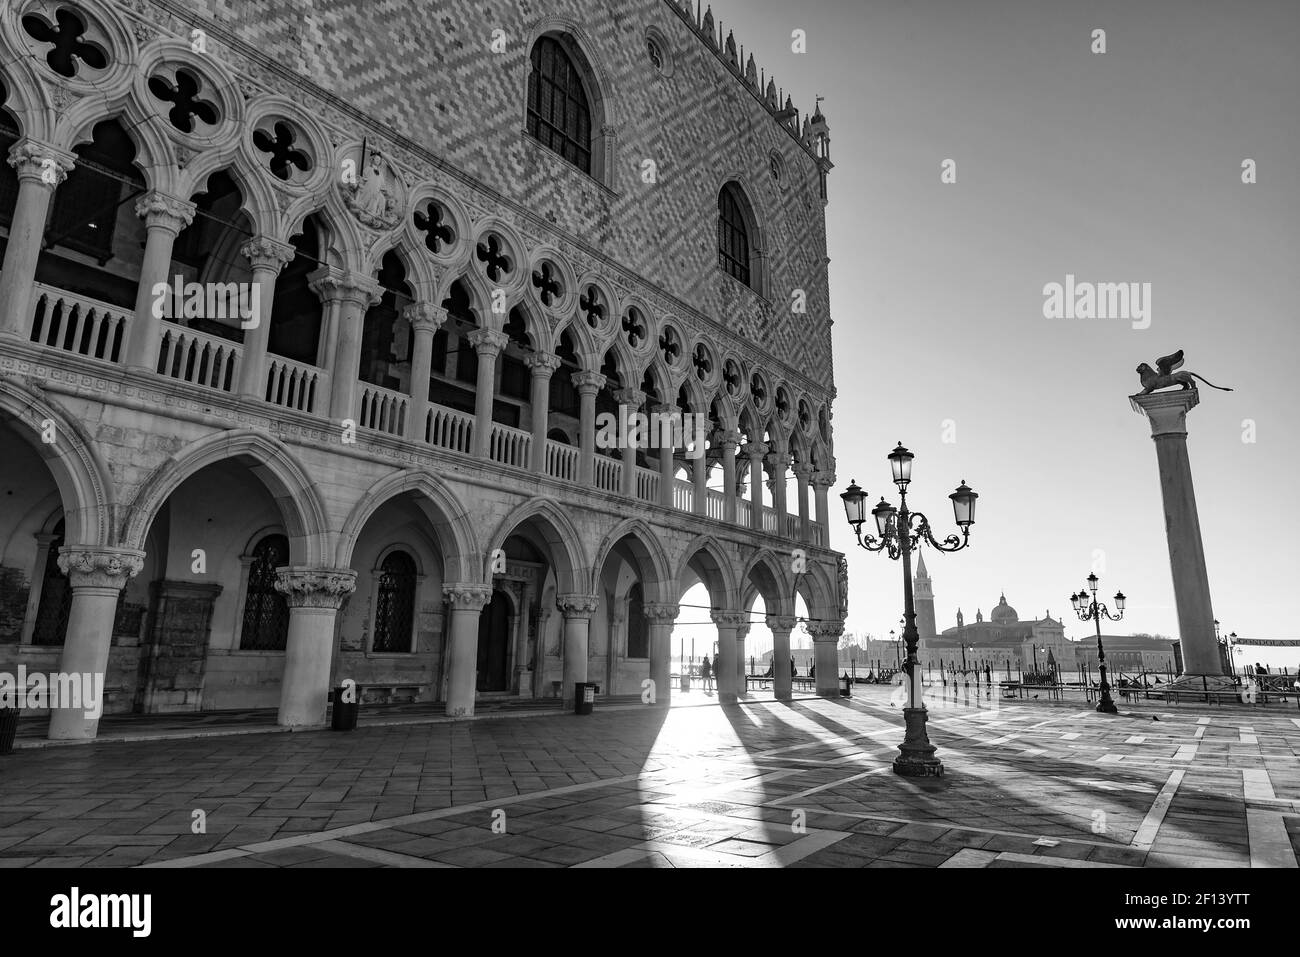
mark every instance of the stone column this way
{"type": "Point", "coordinates": [629, 403]}
{"type": "Point", "coordinates": [803, 472]}
{"type": "Point", "coordinates": [349, 296]}
{"type": "Point", "coordinates": [826, 640]}
{"type": "Point", "coordinates": [425, 319]}
{"type": "Point", "coordinates": [164, 216]}
{"type": "Point", "coordinates": [40, 169]}
{"type": "Point", "coordinates": [742, 663]}
{"type": "Point", "coordinates": [821, 481]}
{"type": "Point", "coordinates": [755, 452]}
{"type": "Point", "coordinates": [488, 343]}
{"type": "Point", "coordinates": [43, 542]}
{"type": "Point", "coordinates": [667, 457]}
{"type": "Point", "coordinates": [700, 476]}
{"type": "Point", "coordinates": [96, 576]}
{"type": "Point", "coordinates": [780, 462]}
{"type": "Point", "coordinates": [659, 618]}
{"type": "Point", "coordinates": [314, 596]}
{"type": "Point", "coordinates": [466, 601]}
{"type": "Point", "coordinates": [729, 441]}
{"type": "Point", "coordinates": [727, 667]}
{"type": "Point", "coordinates": [587, 384]}
{"type": "Point", "coordinates": [781, 626]}
{"type": "Point", "coordinates": [577, 611]}
{"type": "Point", "coordinates": [267, 257]}
{"type": "Point", "coordinates": [543, 366]}
{"type": "Point", "coordinates": [1167, 412]}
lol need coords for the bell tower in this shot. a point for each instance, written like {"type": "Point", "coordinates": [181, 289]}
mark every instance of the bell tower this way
{"type": "Point", "coordinates": [923, 596]}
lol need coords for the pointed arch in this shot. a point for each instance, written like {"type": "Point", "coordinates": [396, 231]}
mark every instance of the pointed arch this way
{"type": "Point", "coordinates": [572, 570]}
{"type": "Point", "coordinates": [656, 570]}
{"type": "Point", "coordinates": [706, 554]}
{"type": "Point", "coordinates": [764, 575]}
{"type": "Point", "coordinates": [268, 459]}
{"type": "Point", "coordinates": [454, 532]}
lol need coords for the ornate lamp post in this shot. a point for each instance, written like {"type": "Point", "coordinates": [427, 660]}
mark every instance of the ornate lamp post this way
{"type": "Point", "coordinates": [1089, 609]}
{"type": "Point", "coordinates": [900, 531]}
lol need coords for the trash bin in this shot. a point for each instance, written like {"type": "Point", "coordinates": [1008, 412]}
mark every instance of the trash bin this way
{"type": "Point", "coordinates": [345, 713]}
{"type": "Point", "coordinates": [686, 681]}
{"type": "Point", "coordinates": [8, 729]}
{"type": "Point", "coordinates": [584, 697]}
{"type": "Point", "coordinates": [846, 686]}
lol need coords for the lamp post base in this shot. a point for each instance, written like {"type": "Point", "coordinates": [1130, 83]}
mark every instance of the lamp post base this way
{"type": "Point", "coordinates": [916, 758]}
{"type": "Point", "coordinates": [1106, 706]}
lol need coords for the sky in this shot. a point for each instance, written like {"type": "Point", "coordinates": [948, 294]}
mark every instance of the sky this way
{"type": "Point", "coordinates": [1122, 166]}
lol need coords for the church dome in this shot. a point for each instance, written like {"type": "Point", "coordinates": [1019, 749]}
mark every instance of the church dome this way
{"type": "Point", "coordinates": [1003, 613]}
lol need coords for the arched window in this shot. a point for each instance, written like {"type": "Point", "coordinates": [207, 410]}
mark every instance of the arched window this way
{"type": "Point", "coordinates": [266, 613]}
{"type": "Point", "coordinates": [733, 234]}
{"type": "Point", "coordinates": [56, 597]}
{"type": "Point", "coordinates": [395, 607]}
{"type": "Point", "coordinates": [559, 113]}
{"type": "Point", "coordinates": [638, 635]}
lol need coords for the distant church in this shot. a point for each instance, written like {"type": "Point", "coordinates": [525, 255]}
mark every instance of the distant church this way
{"type": "Point", "coordinates": [1028, 645]}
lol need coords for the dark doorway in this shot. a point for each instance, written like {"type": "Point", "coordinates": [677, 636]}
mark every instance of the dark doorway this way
{"type": "Point", "coordinates": [494, 644]}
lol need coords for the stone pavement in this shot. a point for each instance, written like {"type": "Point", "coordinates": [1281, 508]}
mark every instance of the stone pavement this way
{"type": "Point", "coordinates": [762, 784]}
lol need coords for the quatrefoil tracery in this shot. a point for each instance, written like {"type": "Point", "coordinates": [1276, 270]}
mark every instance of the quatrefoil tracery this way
{"type": "Point", "coordinates": [432, 222]}
{"type": "Point", "coordinates": [67, 44]}
{"type": "Point", "coordinates": [183, 94]}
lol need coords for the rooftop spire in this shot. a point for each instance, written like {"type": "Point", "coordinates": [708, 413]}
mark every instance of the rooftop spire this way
{"type": "Point", "coordinates": [920, 566]}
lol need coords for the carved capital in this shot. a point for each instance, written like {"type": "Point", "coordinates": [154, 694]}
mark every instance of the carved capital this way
{"type": "Point", "coordinates": [488, 342]}
{"type": "Point", "coordinates": [333, 286]}
{"type": "Point", "coordinates": [826, 630]}
{"type": "Point", "coordinates": [314, 587]}
{"type": "Point", "coordinates": [587, 383]}
{"type": "Point", "coordinates": [755, 450]}
{"type": "Point", "coordinates": [40, 163]}
{"type": "Point", "coordinates": [780, 461]}
{"type": "Point", "coordinates": [160, 211]}
{"type": "Point", "coordinates": [425, 317]}
{"type": "Point", "coordinates": [467, 596]}
{"type": "Point", "coordinates": [543, 364]}
{"type": "Point", "coordinates": [729, 440]}
{"type": "Point", "coordinates": [823, 478]}
{"type": "Point", "coordinates": [263, 252]}
{"type": "Point", "coordinates": [661, 612]}
{"type": "Point", "coordinates": [783, 623]}
{"type": "Point", "coordinates": [90, 567]}
{"type": "Point", "coordinates": [803, 471]}
{"type": "Point", "coordinates": [632, 398]}
{"type": "Point", "coordinates": [577, 605]}
{"type": "Point", "coordinates": [729, 619]}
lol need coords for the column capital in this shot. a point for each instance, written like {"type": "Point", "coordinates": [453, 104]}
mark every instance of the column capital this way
{"type": "Point", "coordinates": [488, 342]}
{"type": "Point", "coordinates": [542, 364]}
{"type": "Point", "coordinates": [823, 478]}
{"type": "Point", "coordinates": [263, 252]}
{"type": "Point", "coordinates": [161, 211]}
{"type": "Point", "coordinates": [425, 316]}
{"type": "Point", "coordinates": [467, 596]}
{"type": "Point", "coordinates": [780, 460]}
{"type": "Point", "coordinates": [41, 162]}
{"type": "Point", "coordinates": [729, 438]}
{"type": "Point", "coordinates": [826, 630]}
{"type": "Point", "coordinates": [755, 450]}
{"type": "Point", "coordinates": [314, 587]}
{"type": "Point", "coordinates": [89, 566]}
{"type": "Point", "coordinates": [336, 286]}
{"type": "Point", "coordinates": [1167, 411]}
{"type": "Point", "coordinates": [577, 605]}
{"type": "Point", "coordinates": [587, 383]}
{"type": "Point", "coordinates": [634, 398]}
{"type": "Point", "coordinates": [803, 471]}
{"type": "Point", "coordinates": [783, 623]}
{"type": "Point", "coordinates": [661, 611]}
{"type": "Point", "coordinates": [725, 618]}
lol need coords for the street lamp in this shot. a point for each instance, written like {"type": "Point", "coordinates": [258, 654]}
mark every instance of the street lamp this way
{"type": "Point", "coordinates": [898, 532]}
{"type": "Point", "coordinates": [1088, 608]}
{"type": "Point", "coordinates": [898, 657]}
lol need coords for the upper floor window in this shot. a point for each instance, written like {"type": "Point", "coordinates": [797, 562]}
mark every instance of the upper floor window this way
{"type": "Point", "coordinates": [559, 111]}
{"type": "Point", "coordinates": [733, 234]}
